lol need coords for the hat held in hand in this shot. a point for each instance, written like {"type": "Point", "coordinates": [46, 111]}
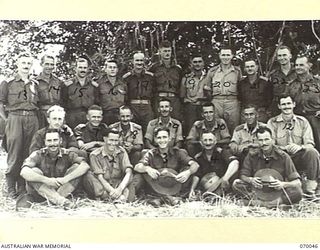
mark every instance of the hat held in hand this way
{"type": "Point", "coordinates": [166, 183]}
{"type": "Point", "coordinates": [267, 176]}
{"type": "Point", "coordinates": [210, 182]}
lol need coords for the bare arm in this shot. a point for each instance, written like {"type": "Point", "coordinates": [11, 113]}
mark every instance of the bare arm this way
{"type": "Point", "coordinates": [77, 172]}
{"type": "Point", "coordinates": [2, 112]}
{"type": "Point", "coordinates": [232, 169]}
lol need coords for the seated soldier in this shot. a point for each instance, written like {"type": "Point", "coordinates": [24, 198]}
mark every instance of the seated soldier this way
{"type": "Point", "coordinates": [164, 120]}
{"type": "Point", "coordinates": [130, 134]}
{"type": "Point", "coordinates": [293, 134]}
{"type": "Point", "coordinates": [210, 123]}
{"type": "Point", "coordinates": [111, 171]}
{"type": "Point", "coordinates": [244, 136]}
{"type": "Point", "coordinates": [166, 157]}
{"type": "Point", "coordinates": [90, 135]}
{"type": "Point", "coordinates": [222, 163]}
{"type": "Point", "coordinates": [282, 183]}
{"type": "Point", "coordinates": [53, 172]}
{"type": "Point", "coordinates": [56, 117]}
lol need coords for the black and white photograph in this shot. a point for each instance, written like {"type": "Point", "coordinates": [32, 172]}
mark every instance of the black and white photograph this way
{"type": "Point", "coordinates": [160, 119]}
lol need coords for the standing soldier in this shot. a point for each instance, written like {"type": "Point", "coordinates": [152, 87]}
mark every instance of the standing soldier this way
{"type": "Point", "coordinates": [49, 88]}
{"type": "Point", "coordinates": [222, 86]}
{"type": "Point", "coordinates": [168, 78]}
{"type": "Point", "coordinates": [192, 92]}
{"type": "Point", "coordinates": [79, 94]}
{"type": "Point", "coordinates": [140, 85]}
{"type": "Point", "coordinates": [255, 90]}
{"type": "Point", "coordinates": [112, 91]}
{"type": "Point", "coordinates": [19, 97]}
{"type": "Point", "coordinates": [281, 77]}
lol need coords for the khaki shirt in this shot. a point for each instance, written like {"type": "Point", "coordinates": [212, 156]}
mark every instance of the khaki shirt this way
{"type": "Point", "coordinates": [192, 87]}
{"type": "Point", "coordinates": [280, 81]}
{"type": "Point", "coordinates": [297, 131]}
{"type": "Point", "coordinates": [223, 82]}
{"type": "Point", "coordinates": [133, 135]}
{"type": "Point", "coordinates": [49, 91]}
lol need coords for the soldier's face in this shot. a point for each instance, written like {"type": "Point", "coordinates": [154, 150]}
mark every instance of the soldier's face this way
{"type": "Point", "coordinates": [197, 63]}
{"type": "Point", "coordinates": [286, 105]}
{"type": "Point", "coordinates": [162, 139]}
{"type": "Point", "coordinates": [208, 113]}
{"type": "Point", "coordinates": [302, 66]}
{"type": "Point", "coordinates": [125, 116]}
{"type": "Point", "coordinates": [208, 141]}
{"type": "Point", "coordinates": [250, 67]}
{"type": "Point", "coordinates": [283, 56]}
{"type": "Point", "coordinates": [24, 64]}
{"type": "Point", "coordinates": [250, 115]}
{"type": "Point", "coordinates": [52, 141]}
{"type": "Point", "coordinates": [265, 141]}
{"type": "Point", "coordinates": [56, 120]}
{"type": "Point", "coordinates": [94, 117]}
{"type": "Point", "coordinates": [165, 53]}
{"type": "Point", "coordinates": [164, 108]}
{"type": "Point", "coordinates": [47, 65]}
{"type": "Point", "coordinates": [111, 141]}
{"type": "Point", "coordinates": [82, 69]}
{"type": "Point", "coordinates": [138, 61]}
{"type": "Point", "coordinates": [111, 69]}
{"type": "Point", "coordinates": [225, 56]}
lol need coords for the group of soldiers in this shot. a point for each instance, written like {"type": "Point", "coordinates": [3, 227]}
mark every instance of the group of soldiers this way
{"type": "Point", "coordinates": [160, 134]}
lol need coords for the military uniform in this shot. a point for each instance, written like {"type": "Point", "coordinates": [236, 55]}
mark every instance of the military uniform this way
{"type": "Point", "coordinates": [297, 131]}
{"type": "Point", "coordinates": [223, 88]}
{"type": "Point", "coordinates": [280, 81]}
{"type": "Point", "coordinates": [42, 163]}
{"type": "Point", "coordinates": [191, 91]}
{"type": "Point", "coordinates": [140, 93]}
{"type": "Point", "coordinates": [307, 97]}
{"type": "Point", "coordinates": [77, 99]}
{"type": "Point", "coordinates": [49, 95]}
{"type": "Point", "coordinates": [219, 129]}
{"type": "Point", "coordinates": [168, 82]}
{"type": "Point", "coordinates": [88, 133]}
{"type": "Point", "coordinates": [20, 100]}
{"type": "Point", "coordinates": [259, 93]}
{"type": "Point", "coordinates": [111, 98]}
{"type": "Point", "coordinates": [279, 161]}
{"type": "Point", "coordinates": [173, 125]}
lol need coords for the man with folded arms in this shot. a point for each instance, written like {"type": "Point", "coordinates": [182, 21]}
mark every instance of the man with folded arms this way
{"type": "Point", "coordinates": [53, 172]}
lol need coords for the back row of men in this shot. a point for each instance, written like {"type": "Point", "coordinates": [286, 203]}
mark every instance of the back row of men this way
{"type": "Point", "coordinates": [26, 101]}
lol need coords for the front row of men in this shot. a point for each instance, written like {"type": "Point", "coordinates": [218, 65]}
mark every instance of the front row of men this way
{"type": "Point", "coordinates": [270, 160]}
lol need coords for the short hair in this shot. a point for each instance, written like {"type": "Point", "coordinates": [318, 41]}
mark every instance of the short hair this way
{"type": "Point", "coordinates": [249, 59]}
{"type": "Point", "coordinates": [138, 52]}
{"type": "Point", "coordinates": [95, 107]}
{"type": "Point", "coordinates": [207, 104]}
{"type": "Point", "coordinates": [46, 56]}
{"type": "Point", "coordinates": [125, 107]}
{"type": "Point", "coordinates": [208, 132]}
{"type": "Point", "coordinates": [110, 61]}
{"type": "Point", "coordinates": [303, 56]}
{"type": "Point", "coordinates": [110, 131]}
{"type": "Point", "coordinates": [284, 95]}
{"type": "Point", "coordinates": [52, 130]}
{"type": "Point", "coordinates": [227, 47]}
{"type": "Point", "coordinates": [196, 54]}
{"type": "Point", "coordinates": [56, 108]}
{"type": "Point", "coordinates": [82, 59]}
{"type": "Point", "coordinates": [165, 44]}
{"type": "Point", "coordinates": [164, 100]}
{"type": "Point", "coordinates": [250, 106]}
{"type": "Point", "coordinates": [24, 54]}
{"type": "Point", "coordinates": [283, 47]}
{"type": "Point", "coordinates": [264, 129]}
{"type": "Point", "coordinates": [157, 130]}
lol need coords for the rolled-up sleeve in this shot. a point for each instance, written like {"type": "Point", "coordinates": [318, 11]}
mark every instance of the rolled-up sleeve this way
{"type": "Point", "coordinates": [95, 164]}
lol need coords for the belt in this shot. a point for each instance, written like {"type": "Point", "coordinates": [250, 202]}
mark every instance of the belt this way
{"type": "Point", "coordinates": [23, 112]}
{"type": "Point", "coordinates": [224, 97]}
{"type": "Point", "coordinates": [166, 94]}
{"type": "Point", "coordinates": [136, 101]}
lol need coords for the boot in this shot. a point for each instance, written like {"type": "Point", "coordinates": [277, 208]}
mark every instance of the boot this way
{"type": "Point", "coordinates": [52, 195]}
{"type": "Point", "coordinates": [11, 187]}
{"type": "Point", "coordinates": [21, 186]}
{"type": "Point", "coordinates": [310, 189]}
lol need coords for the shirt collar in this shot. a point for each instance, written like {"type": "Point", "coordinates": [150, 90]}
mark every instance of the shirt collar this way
{"type": "Point", "coordinates": [246, 127]}
{"type": "Point", "coordinates": [273, 154]}
{"type": "Point", "coordinates": [170, 151]}
{"type": "Point", "coordinates": [137, 74]}
{"type": "Point", "coordinates": [309, 78]}
{"type": "Point", "coordinates": [106, 154]}
{"type": "Point", "coordinates": [59, 155]}
{"type": "Point", "coordinates": [160, 122]}
{"type": "Point", "coordinates": [91, 128]}
{"type": "Point", "coordinates": [215, 125]}
{"type": "Point", "coordinates": [43, 78]}
{"type": "Point", "coordinates": [279, 118]}
{"type": "Point", "coordinates": [232, 68]}
{"type": "Point", "coordinates": [130, 127]}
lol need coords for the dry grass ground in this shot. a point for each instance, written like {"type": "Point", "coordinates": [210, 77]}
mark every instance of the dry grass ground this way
{"type": "Point", "coordinates": [227, 207]}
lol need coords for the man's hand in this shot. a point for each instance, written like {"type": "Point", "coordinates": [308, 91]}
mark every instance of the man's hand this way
{"type": "Point", "coordinates": [61, 180]}
{"type": "Point", "coordinates": [293, 148]}
{"type": "Point", "coordinates": [128, 146]}
{"type": "Point", "coordinates": [52, 182]}
{"type": "Point", "coordinates": [225, 184]}
{"type": "Point", "coordinates": [153, 173]}
{"type": "Point", "coordinates": [88, 145]}
{"type": "Point", "coordinates": [115, 193]}
{"type": "Point", "coordinates": [183, 176]}
{"type": "Point", "coordinates": [256, 182]}
{"type": "Point", "coordinates": [276, 184]}
{"type": "Point", "coordinates": [317, 114]}
{"type": "Point", "coordinates": [192, 195]}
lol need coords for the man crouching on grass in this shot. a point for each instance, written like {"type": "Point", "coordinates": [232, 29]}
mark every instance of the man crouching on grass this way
{"type": "Point", "coordinates": [53, 172]}
{"type": "Point", "coordinates": [111, 171]}
{"type": "Point", "coordinates": [165, 161]}
{"type": "Point", "coordinates": [268, 177]}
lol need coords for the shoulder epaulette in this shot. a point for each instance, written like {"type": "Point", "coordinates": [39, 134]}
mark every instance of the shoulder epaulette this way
{"type": "Point", "coordinates": [149, 73]}
{"type": "Point", "coordinates": [198, 155]}
{"type": "Point", "coordinates": [153, 122]}
{"type": "Point", "coordinates": [214, 68]}
{"type": "Point", "coordinates": [126, 75]}
{"type": "Point", "coordinates": [96, 151]}
{"type": "Point", "coordinates": [9, 79]}
{"type": "Point", "coordinates": [137, 126]}
{"type": "Point", "coordinates": [68, 82]}
{"type": "Point", "coordinates": [103, 125]}
{"type": "Point", "coordinates": [178, 66]}
{"type": "Point", "coordinates": [114, 125]}
{"type": "Point", "coordinates": [273, 119]}
{"type": "Point", "coordinates": [301, 118]}
{"type": "Point", "coordinates": [95, 84]}
{"type": "Point", "coordinates": [42, 150]}
{"type": "Point", "coordinates": [263, 78]}
{"type": "Point", "coordinates": [238, 128]}
{"type": "Point", "coordinates": [188, 74]}
{"type": "Point", "coordinates": [80, 126]}
{"type": "Point", "coordinates": [198, 124]}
